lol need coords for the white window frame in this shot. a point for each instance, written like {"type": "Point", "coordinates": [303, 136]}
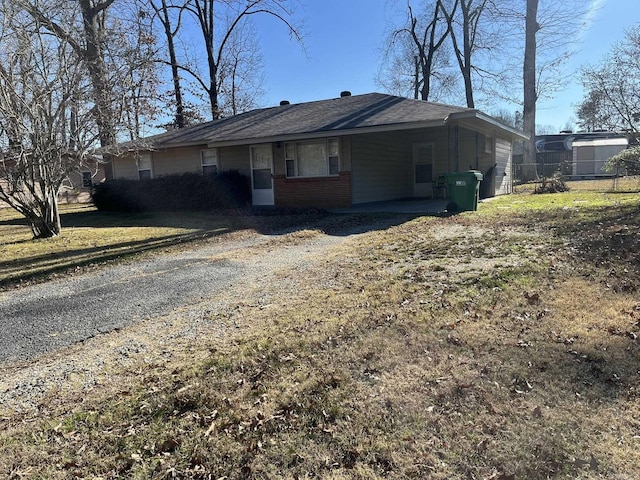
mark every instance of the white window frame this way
{"type": "Point", "coordinates": [206, 157]}
{"type": "Point", "coordinates": [144, 158]}
{"type": "Point", "coordinates": [416, 161]}
{"type": "Point", "coordinates": [291, 159]}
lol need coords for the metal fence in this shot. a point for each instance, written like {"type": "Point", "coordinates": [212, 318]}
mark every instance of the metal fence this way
{"type": "Point", "coordinates": [549, 164]}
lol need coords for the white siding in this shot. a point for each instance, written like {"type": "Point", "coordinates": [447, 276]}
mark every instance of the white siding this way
{"type": "Point", "coordinates": [125, 167]}
{"type": "Point", "coordinates": [479, 150]}
{"type": "Point", "coordinates": [235, 158]}
{"type": "Point", "coordinates": [181, 160]}
{"type": "Point", "coordinates": [177, 160]}
{"type": "Point", "coordinates": [438, 138]}
{"type": "Point", "coordinates": [504, 170]}
{"type": "Point", "coordinates": [381, 167]}
{"type": "Point", "coordinates": [382, 164]}
{"type": "Point", "coordinates": [468, 154]}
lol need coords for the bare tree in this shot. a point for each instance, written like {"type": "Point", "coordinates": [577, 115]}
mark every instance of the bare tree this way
{"type": "Point", "coordinates": [508, 117]}
{"type": "Point", "coordinates": [464, 32]}
{"type": "Point", "coordinates": [88, 44]}
{"type": "Point", "coordinates": [417, 58]}
{"type": "Point", "coordinates": [133, 70]}
{"type": "Point", "coordinates": [45, 128]}
{"type": "Point", "coordinates": [428, 49]}
{"type": "Point", "coordinates": [240, 76]}
{"type": "Point", "coordinates": [234, 13]}
{"type": "Point", "coordinates": [470, 63]}
{"type": "Point", "coordinates": [613, 88]}
{"type": "Point", "coordinates": [171, 26]}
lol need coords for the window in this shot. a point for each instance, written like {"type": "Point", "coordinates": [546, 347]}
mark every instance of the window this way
{"type": "Point", "coordinates": [290, 158]}
{"type": "Point", "coordinates": [423, 163]}
{"type": "Point", "coordinates": [424, 173]}
{"type": "Point", "coordinates": [315, 158]}
{"type": "Point", "coordinates": [334, 156]}
{"type": "Point", "coordinates": [144, 166]}
{"type": "Point", "coordinates": [209, 161]}
{"type": "Point", "coordinates": [261, 160]}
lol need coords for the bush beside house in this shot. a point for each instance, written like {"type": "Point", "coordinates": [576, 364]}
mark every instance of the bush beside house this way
{"type": "Point", "coordinates": [188, 191]}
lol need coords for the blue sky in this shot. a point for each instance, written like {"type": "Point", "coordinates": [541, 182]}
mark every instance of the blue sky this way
{"type": "Point", "coordinates": [344, 39]}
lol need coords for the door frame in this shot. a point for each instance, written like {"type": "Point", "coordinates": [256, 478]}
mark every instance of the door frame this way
{"type": "Point", "coordinates": [424, 189]}
{"type": "Point", "coordinates": [261, 196]}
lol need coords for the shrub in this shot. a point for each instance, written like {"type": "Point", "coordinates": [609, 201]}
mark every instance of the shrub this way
{"type": "Point", "coordinates": [628, 160]}
{"type": "Point", "coordinates": [187, 191]}
{"type": "Point", "coordinates": [554, 184]}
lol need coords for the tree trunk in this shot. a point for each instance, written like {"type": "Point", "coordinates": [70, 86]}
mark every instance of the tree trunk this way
{"type": "Point", "coordinates": [466, 53]}
{"type": "Point", "coordinates": [45, 223]}
{"type": "Point", "coordinates": [464, 56]}
{"type": "Point", "coordinates": [179, 121]}
{"type": "Point", "coordinates": [94, 59]}
{"type": "Point", "coordinates": [530, 90]}
{"type": "Point", "coordinates": [426, 51]}
{"type": "Point", "coordinates": [91, 53]}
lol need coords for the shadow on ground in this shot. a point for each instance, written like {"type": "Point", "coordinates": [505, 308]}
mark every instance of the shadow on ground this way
{"type": "Point", "coordinates": [200, 226]}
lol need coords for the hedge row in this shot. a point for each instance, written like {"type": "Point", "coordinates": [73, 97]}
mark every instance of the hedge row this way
{"type": "Point", "coordinates": [188, 191]}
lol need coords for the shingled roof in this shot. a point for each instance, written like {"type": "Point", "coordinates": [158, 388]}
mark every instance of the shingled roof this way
{"type": "Point", "coordinates": [348, 114]}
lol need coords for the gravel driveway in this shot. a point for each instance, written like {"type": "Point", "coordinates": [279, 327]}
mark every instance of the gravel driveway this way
{"type": "Point", "coordinates": [54, 330]}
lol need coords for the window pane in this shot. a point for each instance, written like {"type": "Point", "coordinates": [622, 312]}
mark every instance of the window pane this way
{"type": "Point", "coordinates": [209, 157]}
{"type": "Point", "coordinates": [424, 173]}
{"type": "Point", "coordinates": [312, 159]}
{"type": "Point", "coordinates": [144, 162]}
{"type": "Point", "coordinates": [334, 151]}
{"type": "Point", "coordinates": [262, 179]}
{"type": "Point", "coordinates": [291, 172]}
{"type": "Point", "coordinates": [144, 174]}
{"type": "Point", "coordinates": [289, 151]}
{"type": "Point", "coordinates": [261, 156]}
{"type": "Point", "coordinates": [334, 165]}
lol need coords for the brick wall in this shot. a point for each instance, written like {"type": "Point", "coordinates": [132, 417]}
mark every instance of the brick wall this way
{"type": "Point", "coordinates": [321, 192]}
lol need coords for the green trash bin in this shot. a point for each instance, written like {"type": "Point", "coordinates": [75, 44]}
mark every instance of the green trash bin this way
{"type": "Point", "coordinates": [464, 188]}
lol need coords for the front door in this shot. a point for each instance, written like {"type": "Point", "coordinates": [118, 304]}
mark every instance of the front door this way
{"type": "Point", "coordinates": [262, 174]}
{"type": "Point", "coordinates": [422, 170]}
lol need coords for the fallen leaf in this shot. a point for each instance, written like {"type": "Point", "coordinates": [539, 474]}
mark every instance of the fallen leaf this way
{"type": "Point", "coordinates": [213, 423]}
{"type": "Point", "coordinates": [532, 298]}
{"type": "Point", "coordinates": [184, 389]}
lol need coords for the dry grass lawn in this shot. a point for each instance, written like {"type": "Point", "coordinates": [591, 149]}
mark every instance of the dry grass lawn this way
{"type": "Point", "coordinates": [501, 344]}
{"type": "Point", "coordinates": [91, 238]}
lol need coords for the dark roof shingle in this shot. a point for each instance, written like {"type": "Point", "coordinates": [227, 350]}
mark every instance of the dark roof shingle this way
{"type": "Point", "coordinates": [333, 115]}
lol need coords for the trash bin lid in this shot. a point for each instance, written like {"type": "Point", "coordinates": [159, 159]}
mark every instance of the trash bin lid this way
{"type": "Point", "coordinates": [465, 178]}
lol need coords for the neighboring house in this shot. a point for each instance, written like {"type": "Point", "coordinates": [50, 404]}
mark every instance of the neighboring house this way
{"type": "Point", "coordinates": [77, 187]}
{"type": "Point", "coordinates": [334, 153]}
{"type": "Point", "coordinates": [590, 155]}
{"type": "Point", "coordinates": [578, 155]}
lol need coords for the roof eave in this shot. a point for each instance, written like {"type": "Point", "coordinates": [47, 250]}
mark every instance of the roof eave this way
{"type": "Point", "coordinates": [492, 122]}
